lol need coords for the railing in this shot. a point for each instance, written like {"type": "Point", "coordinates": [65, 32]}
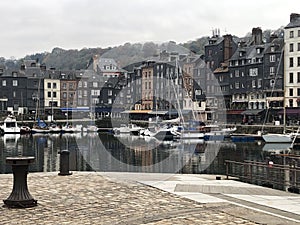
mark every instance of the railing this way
{"type": "Point", "coordinates": [282, 177]}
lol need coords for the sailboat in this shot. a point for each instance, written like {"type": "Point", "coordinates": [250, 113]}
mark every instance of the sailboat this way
{"type": "Point", "coordinates": [276, 137]}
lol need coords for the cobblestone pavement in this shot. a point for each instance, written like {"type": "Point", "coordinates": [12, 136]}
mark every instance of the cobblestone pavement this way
{"type": "Point", "coordinates": [89, 198]}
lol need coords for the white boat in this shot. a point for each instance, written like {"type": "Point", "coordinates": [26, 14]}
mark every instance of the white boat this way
{"type": "Point", "coordinates": [128, 129]}
{"type": "Point", "coordinates": [36, 129]}
{"type": "Point", "coordinates": [71, 129]}
{"type": "Point", "coordinates": [215, 132]}
{"type": "Point", "coordinates": [54, 128]}
{"type": "Point", "coordinates": [278, 138]}
{"type": "Point", "coordinates": [10, 125]}
{"type": "Point", "coordinates": [90, 128]}
{"type": "Point", "coordinates": [160, 132]}
{"type": "Point", "coordinates": [25, 129]}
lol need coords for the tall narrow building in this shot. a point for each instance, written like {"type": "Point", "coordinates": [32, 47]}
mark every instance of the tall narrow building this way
{"type": "Point", "coordinates": [292, 62]}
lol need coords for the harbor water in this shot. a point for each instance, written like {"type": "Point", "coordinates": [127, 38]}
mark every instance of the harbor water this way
{"type": "Point", "coordinates": [126, 153]}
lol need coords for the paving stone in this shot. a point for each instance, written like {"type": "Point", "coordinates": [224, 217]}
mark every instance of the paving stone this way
{"type": "Point", "coordinates": [89, 198]}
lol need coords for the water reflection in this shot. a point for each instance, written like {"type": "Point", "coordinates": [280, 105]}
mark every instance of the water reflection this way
{"type": "Point", "coordinates": [105, 152]}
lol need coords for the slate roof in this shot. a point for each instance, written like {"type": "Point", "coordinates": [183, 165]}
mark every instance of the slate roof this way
{"type": "Point", "coordinates": [295, 22]}
{"type": "Point", "coordinates": [103, 62]}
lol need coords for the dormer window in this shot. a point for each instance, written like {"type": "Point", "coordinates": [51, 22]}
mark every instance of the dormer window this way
{"type": "Point", "coordinates": [258, 50]}
{"type": "Point", "coordinates": [14, 74]}
{"type": "Point", "coordinates": [272, 49]}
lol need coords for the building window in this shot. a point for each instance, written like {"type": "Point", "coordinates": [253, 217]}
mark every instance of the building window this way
{"type": "Point", "coordinates": [253, 83]}
{"type": "Point", "coordinates": [291, 62]}
{"type": "Point", "coordinates": [298, 47]}
{"type": "Point", "coordinates": [64, 86]}
{"type": "Point", "coordinates": [259, 83]}
{"type": "Point", "coordinates": [298, 61]}
{"type": "Point", "coordinates": [291, 78]}
{"type": "Point", "coordinates": [291, 92]}
{"type": "Point", "coordinates": [272, 58]}
{"type": "Point", "coordinates": [291, 47]}
{"type": "Point", "coordinates": [272, 70]}
{"type": "Point", "coordinates": [272, 83]}
{"type": "Point", "coordinates": [253, 71]}
{"type": "Point", "coordinates": [298, 91]}
{"type": "Point", "coordinates": [298, 33]}
{"type": "Point", "coordinates": [95, 84]}
{"type": "Point", "coordinates": [237, 85]}
{"type": "Point", "coordinates": [109, 101]}
{"type": "Point", "coordinates": [4, 83]}
{"type": "Point", "coordinates": [85, 84]}
{"type": "Point", "coordinates": [15, 83]}
{"type": "Point", "coordinates": [298, 77]}
{"type": "Point", "coordinates": [272, 49]}
{"type": "Point", "coordinates": [79, 94]}
{"type": "Point", "coordinates": [14, 94]}
{"type": "Point", "coordinates": [54, 85]}
{"type": "Point", "coordinates": [80, 84]}
{"type": "Point", "coordinates": [71, 86]}
{"type": "Point", "coordinates": [291, 34]}
{"type": "Point", "coordinates": [110, 92]}
{"type": "Point", "coordinates": [64, 94]}
{"type": "Point", "coordinates": [291, 103]}
{"type": "Point", "coordinates": [49, 94]}
{"type": "Point", "coordinates": [49, 85]}
{"type": "Point", "coordinates": [236, 73]}
{"type": "Point", "coordinates": [54, 94]}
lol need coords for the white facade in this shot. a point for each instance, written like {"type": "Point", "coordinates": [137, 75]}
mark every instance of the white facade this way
{"type": "Point", "coordinates": [52, 93]}
{"type": "Point", "coordinates": [292, 66]}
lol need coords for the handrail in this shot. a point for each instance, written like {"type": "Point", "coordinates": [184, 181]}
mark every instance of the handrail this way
{"type": "Point", "coordinates": [265, 173]}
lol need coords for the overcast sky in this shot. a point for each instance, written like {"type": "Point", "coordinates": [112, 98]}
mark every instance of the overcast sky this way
{"type": "Point", "coordinates": [31, 26]}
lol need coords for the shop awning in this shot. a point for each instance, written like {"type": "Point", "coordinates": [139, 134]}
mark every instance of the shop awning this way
{"type": "Point", "coordinates": [252, 112]}
{"type": "Point", "coordinates": [137, 111]}
{"type": "Point", "coordinates": [234, 112]}
{"type": "Point", "coordinates": [158, 112]}
{"type": "Point", "coordinates": [78, 109]}
{"type": "Point", "coordinates": [290, 111]}
{"type": "Point", "coordinates": [108, 109]}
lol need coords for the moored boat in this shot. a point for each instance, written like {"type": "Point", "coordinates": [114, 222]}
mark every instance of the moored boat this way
{"type": "Point", "coordinates": [40, 127]}
{"type": "Point", "coordinates": [128, 129]}
{"type": "Point", "coordinates": [278, 138]}
{"type": "Point", "coordinates": [10, 125]}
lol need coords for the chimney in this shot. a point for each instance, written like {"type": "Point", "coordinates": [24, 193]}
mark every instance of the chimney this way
{"type": "Point", "coordinates": [257, 36]}
{"type": "Point", "coordinates": [95, 62]}
{"type": "Point", "coordinates": [228, 51]}
{"type": "Point", "coordinates": [294, 17]}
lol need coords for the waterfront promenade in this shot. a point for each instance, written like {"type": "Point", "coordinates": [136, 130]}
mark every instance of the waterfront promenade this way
{"type": "Point", "coordinates": [145, 198]}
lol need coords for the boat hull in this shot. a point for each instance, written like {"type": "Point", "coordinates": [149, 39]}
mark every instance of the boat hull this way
{"type": "Point", "coordinates": [277, 138]}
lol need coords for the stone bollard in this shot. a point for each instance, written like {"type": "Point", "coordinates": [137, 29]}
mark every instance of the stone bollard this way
{"type": "Point", "coordinates": [64, 163]}
{"type": "Point", "coordinates": [20, 196]}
